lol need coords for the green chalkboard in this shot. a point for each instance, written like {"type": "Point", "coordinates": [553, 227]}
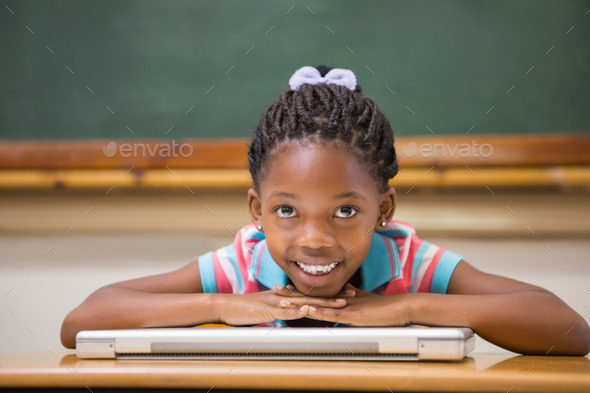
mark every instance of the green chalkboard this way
{"type": "Point", "coordinates": [207, 69]}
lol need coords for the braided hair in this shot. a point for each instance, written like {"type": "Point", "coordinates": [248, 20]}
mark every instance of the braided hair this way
{"type": "Point", "coordinates": [326, 113]}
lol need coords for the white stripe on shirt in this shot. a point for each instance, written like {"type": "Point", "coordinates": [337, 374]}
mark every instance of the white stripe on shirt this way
{"type": "Point", "coordinates": [403, 258]}
{"type": "Point", "coordinates": [247, 252]}
{"type": "Point", "coordinates": [228, 269]}
{"type": "Point", "coordinates": [428, 255]}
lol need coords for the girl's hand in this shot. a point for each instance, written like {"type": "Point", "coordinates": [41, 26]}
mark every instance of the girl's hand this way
{"type": "Point", "coordinates": [291, 291]}
{"type": "Point", "coordinates": [268, 306]}
{"type": "Point", "coordinates": [362, 309]}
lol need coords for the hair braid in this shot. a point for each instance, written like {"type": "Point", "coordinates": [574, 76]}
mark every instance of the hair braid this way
{"type": "Point", "coordinates": [327, 112]}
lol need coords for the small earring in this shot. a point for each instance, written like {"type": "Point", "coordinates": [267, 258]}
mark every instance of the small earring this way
{"type": "Point", "coordinates": [259, 227]}
{"type": "Point", "coordinates": [383, 223]}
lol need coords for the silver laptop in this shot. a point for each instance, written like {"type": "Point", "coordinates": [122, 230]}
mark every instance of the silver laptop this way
{"type": "Point", "coordinates": [406, 343]}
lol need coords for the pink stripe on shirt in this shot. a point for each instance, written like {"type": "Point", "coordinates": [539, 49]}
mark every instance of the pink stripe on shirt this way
{"type": "Point", "coordinates": [240, 256]}
{"type": "Point", "coordinates": [260, 259]}
{"type": "Point", "coordinates": [396, 287]}
{"type": "Point", "coordinates": [427, 279]}
{"type": "Point", "coordinates": [223, 285]}
{"type": "Point", "coordinates": [408, 264]}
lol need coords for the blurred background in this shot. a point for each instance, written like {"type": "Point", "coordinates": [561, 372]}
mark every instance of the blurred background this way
{"type": "Point", "coordinates": [124, 128]}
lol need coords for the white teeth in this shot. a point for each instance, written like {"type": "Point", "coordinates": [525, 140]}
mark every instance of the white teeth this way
{"type": "Point", "coordinates": [317, 269]}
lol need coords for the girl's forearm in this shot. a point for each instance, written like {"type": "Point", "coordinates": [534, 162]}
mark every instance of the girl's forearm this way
{"type": "Point", "coordinates": [124, 308]}
{"type": "Point", "coordinates": [526, 322]}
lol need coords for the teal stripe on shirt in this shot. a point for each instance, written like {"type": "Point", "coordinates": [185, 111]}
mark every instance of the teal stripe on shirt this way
{"type": "Point", "coordinates": [397, 265]}
{"type": "Point", "coordinates": [443, 272]}
{"type": "Point", "coordinates": [207, 273]}
{"type": "Point", "coordinates": [395, 232]}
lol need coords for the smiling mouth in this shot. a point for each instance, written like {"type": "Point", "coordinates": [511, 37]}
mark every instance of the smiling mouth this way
{"type": "Point", "coordinates": [317, 270]}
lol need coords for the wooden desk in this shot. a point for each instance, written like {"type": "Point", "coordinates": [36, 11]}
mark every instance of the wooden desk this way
{"type": "Point", "coordinates": [478, 372]}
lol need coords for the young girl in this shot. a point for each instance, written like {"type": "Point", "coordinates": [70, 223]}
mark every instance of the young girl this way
{"type": "Point", "coordinates": [323, 249]}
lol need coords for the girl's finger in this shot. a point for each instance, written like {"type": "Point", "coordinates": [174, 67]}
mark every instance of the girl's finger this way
{"type": "Point", "coordinates": [347, 293]}
{"type": "Point", "coordinates": [293, 290]}
{"type": "Point", "coordinates": [357, 291]}
{"type": "Point", "coordinates": [312, 301]}
{"type": "Point", "coordinates": [316, 313]}
{"type": "Point", "coordinates": [326, 314]}
{"type": "Point", "coordinates": [294, 312]}
{"type": "Point", "coordinates": [286, 291]}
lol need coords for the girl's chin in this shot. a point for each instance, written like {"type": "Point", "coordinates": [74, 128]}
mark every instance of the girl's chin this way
{"type": "Point", "coordinates": [318, 292]}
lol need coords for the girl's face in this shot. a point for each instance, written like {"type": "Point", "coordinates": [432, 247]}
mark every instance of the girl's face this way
{"type": "Point", "coordinates": [318, 207]}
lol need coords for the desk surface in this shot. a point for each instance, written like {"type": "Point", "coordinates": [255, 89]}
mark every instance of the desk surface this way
{"type": "Point", "coordinates": [478, 372]}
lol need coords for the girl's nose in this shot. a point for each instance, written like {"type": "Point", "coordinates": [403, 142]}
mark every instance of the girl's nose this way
{"type": "Point", "coordinates": [315, 236]}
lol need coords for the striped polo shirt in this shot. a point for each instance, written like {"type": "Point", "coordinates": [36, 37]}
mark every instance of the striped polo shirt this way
{"type": "Point", "coordinates": [397, 262]}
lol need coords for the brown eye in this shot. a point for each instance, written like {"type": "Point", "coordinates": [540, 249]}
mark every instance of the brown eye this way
{"type": "Point", "coordinates": [346, 212]}
{"type": "Point", "coordinates": [286, 212]}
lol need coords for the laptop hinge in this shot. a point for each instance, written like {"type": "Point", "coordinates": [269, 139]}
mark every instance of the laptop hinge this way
{"type": "Point", "coordinates": [96, 350]}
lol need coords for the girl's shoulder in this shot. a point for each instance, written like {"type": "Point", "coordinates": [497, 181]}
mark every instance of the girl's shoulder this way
{"type": "Point", "coordinates": [247, 237]}
{"type": "Point", "coordinates": [397, 229]}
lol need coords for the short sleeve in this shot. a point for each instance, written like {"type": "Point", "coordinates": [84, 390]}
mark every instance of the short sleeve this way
{"type": "Point", "coordinates": [226, 270]}
{"type": "Point", "coordinates": [443, 271]}
{"type": "Point", "coordinates": [207, 272]}
{"type": "Point", "coordinates": [428, 267]}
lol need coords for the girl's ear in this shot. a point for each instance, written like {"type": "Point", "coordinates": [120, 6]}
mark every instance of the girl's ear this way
{"type": "Point", "coordinates": [254, 207]}
{"type": "Point", "coordinates": [387, 207]}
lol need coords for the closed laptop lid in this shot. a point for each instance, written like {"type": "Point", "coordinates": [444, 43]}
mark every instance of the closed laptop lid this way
{"type": "Point", "coordinates": [409, 343]}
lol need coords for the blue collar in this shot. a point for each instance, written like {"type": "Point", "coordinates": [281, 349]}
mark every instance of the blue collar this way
{"type": "Point", "coordinates": [381, 265]}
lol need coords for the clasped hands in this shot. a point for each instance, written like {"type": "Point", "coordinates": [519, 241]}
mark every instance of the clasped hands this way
{"type": "Point", "coordinates": [352, 306]}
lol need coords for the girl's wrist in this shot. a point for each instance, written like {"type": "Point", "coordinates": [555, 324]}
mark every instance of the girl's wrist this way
{"type": "Point", "coordinates": [215, 302]}
{"type": "Point", "coordinates": [414, 308]}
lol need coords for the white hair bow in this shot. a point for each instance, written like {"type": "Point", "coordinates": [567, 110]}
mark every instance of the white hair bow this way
{"type": "Point", "coordinates": [311, 76]}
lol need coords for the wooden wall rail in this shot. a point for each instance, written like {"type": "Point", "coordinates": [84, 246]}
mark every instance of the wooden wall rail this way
{"type": "Point", "coordinates": [198, 179]}
{"type": "Point", "coordinates": [443, 162]}
{"type": "Point", "coordinates": [443, 151]}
